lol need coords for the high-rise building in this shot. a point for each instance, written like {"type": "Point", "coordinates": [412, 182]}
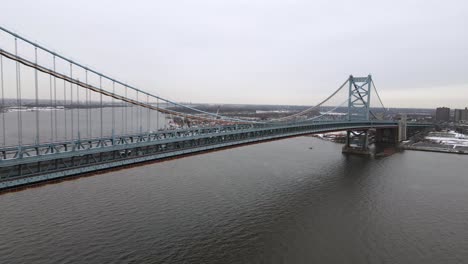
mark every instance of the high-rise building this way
{"type": "Point", "coordinates": [461, 115]}
{"type": "Point", "coordinates": [442, 114]}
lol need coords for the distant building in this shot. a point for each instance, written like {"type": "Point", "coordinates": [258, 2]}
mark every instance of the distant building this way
{"type": "Point", "coordinates": [443, 114]}
{"type": "Point", "coordinates": [461, 115]}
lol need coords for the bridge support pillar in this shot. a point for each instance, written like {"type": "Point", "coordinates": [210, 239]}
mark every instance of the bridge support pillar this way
{"type": "Point", "coordinates": [402, 129]}
{"type": "Point", "coordinates": [357, 142]}
{"type": "Point", "coordinates": [387, 135]}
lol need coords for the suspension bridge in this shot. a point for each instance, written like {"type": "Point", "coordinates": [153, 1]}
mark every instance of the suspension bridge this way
{"type": "Point", "coordinates": [60, 118]}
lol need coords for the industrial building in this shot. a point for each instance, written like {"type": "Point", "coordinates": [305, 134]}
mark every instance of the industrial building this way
{"type": "Point", "coordinates": [460, 115]}
{"type": "Point", "coordinates": [442, 114]}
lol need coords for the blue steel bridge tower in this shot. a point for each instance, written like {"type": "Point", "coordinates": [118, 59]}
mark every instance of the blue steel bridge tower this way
{"type": "Point", "coordinates": [358, 110]}
{"type": "Point", "coordinates": [359, 98]}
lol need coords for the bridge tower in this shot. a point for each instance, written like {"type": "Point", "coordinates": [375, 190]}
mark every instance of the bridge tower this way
{"type": "Point", "coordinates": [402, 128]}
{"type": "Point", "coordinates": [359, 98]}
{"type": "Point", "coordinates": [357, 142]}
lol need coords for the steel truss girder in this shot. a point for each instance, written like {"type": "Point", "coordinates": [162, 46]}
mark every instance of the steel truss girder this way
{"type": "Point", "coordinates": [17, 171]}
{"type": "Point", "coordinates": [357, 139]}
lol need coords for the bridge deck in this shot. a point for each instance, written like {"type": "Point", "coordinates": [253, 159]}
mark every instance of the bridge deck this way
{"type": "Point", "coordinates": [35, 163]}
{"type": "Point", "coordinates": [24, 164]}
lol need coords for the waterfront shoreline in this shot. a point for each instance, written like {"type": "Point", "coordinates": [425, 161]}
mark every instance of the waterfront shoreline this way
{"type": "Point", "coordinates": [431, 149]}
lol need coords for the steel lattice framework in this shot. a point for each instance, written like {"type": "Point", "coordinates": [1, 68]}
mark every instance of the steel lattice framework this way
{"type": "Point", "coordinates": [25, 163]}
{"type": "Point", "coordinates": [359, 98]}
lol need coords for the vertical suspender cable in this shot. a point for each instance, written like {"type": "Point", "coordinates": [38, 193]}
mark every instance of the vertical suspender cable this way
{"type": "Point", "coordinates": [113, 109]}
{"type": "Point", "coordinates": [78, 108]}
{"type": "Point", "coordinates": [100, 87]}
{"type": "Point", "coordinates": [36, 84]}
{"type": "Point", "coordinates": [131, 116]}
{"type": "Point", "coordinates": [141, 117]}
{"type": "Point", "coordinates": [157, 114]}
{"type": "Point", "coordinates": [126, 112]}
{"type": "Point", "coordinates": [122, 121]}
{"type": "Point", "coordinates": [148, 115]}
{"type": "Point", "coordinates": [65, 106]}
{"type": "Point", "coordinates": [55, 103]}
{"type": "Point", "coordinates": [71, 104]}
{"type": "Point", "coordinates": [51, 111]}
{"type": "Point", "coordinates": [3, 100]}
{"type": "Point", "coordinates": [88, 116]}
{"type": "Point", "coordinates": [18, 96]}
{"type": "Point", "coordinates": [138, 114]}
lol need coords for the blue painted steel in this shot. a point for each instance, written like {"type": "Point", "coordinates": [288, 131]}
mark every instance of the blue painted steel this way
{"type": "Point", "coordinates": [25, 164]}
{"type": "Point", "coordinates": [359, 98]}
{"type": "Point", "coordinates": [35, 45]}
{"type": "Point", "coordinates": [17, 171]}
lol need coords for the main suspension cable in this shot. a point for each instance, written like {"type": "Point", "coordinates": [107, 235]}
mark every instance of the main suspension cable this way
{"type": "Point", "coordinates": [326, 113]}
{"type": "Point", "coordinates": [313, 107]}
{"type": "Point", "coordinates": [110, 94]}
{"type": "Point", "coordinates": [119, 82]}
{"type": "Point", "coordinates": [378, 96]}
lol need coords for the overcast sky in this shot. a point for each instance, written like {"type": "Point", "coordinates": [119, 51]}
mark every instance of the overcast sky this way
{"type": "Point", "coordinates": [261, 52]}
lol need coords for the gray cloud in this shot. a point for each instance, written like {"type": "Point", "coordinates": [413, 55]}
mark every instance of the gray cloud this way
{"type": "Point", "coordinates": [272, 52]}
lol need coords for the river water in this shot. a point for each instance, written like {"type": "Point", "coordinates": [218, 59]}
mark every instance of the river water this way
{"type": "Point", "coordinates": [275, 202]}
{"type": "Point", "coordinates": [61, 125]}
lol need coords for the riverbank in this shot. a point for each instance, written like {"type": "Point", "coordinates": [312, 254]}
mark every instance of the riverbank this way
{"type": "Point", "coordinates": [442, 149]}
{"type": "Point", "coordinates": [442, 141]}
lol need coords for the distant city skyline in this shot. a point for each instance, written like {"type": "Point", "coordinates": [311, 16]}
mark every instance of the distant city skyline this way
{"type": "Point", "coordinates": [262, 52]}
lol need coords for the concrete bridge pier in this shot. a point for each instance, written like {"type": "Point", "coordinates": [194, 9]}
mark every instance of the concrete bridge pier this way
{"type": "Point", "coordinates": [402, 129]}
{"type": "Point", "coordinates": [357, 142]}
{"type": "Point", "coordinates": [387, 135]}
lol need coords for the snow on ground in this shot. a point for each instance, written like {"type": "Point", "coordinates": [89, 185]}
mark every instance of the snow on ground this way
{"type": "Point", "coordinates": [31, 109]}
{"type": "Point", "coordinates": [449, 138]}
{"type": "Point", "coordinates": [332, 134]}
{"type": "Point", "coordinates": [333, 113]}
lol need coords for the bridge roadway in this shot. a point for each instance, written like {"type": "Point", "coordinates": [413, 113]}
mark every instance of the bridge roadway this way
{"type": "Point", "coordinates": [36, 163]}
